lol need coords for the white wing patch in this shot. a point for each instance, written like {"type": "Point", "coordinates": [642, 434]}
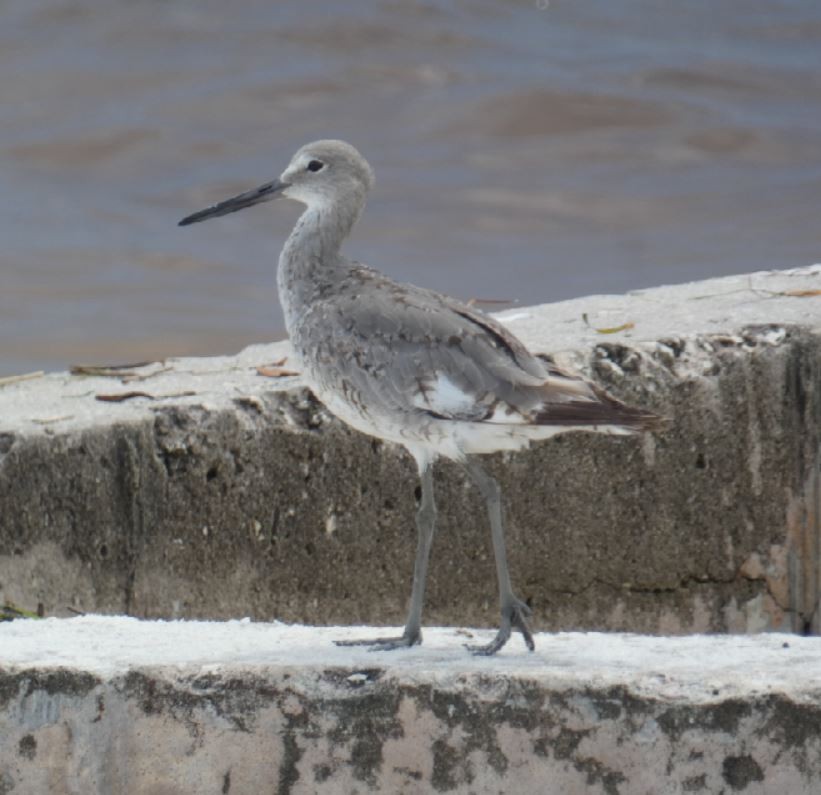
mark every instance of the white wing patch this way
{"type": "Point", "coordinates": [442, 396]}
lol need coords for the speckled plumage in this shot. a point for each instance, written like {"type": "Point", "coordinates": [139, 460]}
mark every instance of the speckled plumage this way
{"type": "Point", "coordinates": [410, 365]}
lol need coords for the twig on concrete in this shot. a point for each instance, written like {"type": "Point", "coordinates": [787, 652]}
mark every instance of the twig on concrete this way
{"type": "Point", "coordinates": [111, 370]}
{"type": "Point", "coordinates": [49, 420]}
{"type": "Point", "coordinates": [763, 292]}
{"type": "Point", "coordinates": [13, 379]}
{"type": "Point", "coordinates": [499, 301]}
{"type": "Point", "coordinates": [121, 396]}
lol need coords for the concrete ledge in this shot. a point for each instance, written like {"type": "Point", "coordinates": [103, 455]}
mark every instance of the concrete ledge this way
{"type": "Point", "coordinates": [116, 705]}
{"type": "Point", "coordinates": [233, 494]}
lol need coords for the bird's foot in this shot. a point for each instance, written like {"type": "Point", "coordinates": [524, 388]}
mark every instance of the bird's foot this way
{"type": "Point", "coordinates": [514, 616]}
{"type": "Point", "coordinates": [404, 641]}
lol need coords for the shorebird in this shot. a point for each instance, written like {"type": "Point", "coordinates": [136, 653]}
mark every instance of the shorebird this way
{"type": "Point", "coordinates": [413, 366]}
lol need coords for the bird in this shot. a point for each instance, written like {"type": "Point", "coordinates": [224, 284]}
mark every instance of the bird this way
{"type": "Point", "coordinates": [415, 367]}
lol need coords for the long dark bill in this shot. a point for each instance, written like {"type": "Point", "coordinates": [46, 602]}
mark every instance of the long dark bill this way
{"type": "Point", "coordinates": [264, 193]}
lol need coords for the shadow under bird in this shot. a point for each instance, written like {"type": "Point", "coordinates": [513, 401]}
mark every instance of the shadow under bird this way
{"type": "Point", "coordinates": [413, 366]}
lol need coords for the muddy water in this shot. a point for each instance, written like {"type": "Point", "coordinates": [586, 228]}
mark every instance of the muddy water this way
{"type": "Point", "coordinates": [524, 150]}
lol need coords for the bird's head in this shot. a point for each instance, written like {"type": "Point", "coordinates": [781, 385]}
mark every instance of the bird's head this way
{"type": "Point", "coordinates": [319, 174]}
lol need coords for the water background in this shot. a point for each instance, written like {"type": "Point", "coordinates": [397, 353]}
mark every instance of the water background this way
{"type": "Point", "coordinates": [531, 151]}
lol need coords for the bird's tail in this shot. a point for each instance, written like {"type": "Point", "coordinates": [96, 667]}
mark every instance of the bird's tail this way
{"type": "Point", "coordinates": [602, 409]}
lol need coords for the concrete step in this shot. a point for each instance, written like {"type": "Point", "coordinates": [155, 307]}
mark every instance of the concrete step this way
{"type": "Point", "coordinates": [115, 705]}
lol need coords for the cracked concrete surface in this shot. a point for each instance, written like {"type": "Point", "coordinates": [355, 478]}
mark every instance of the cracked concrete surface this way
{"type": "Point", "coordinates": [247, 498]}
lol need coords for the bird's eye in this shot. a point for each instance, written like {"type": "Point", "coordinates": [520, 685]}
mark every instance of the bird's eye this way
{"type": "Point", "coordinates": [315, 165]}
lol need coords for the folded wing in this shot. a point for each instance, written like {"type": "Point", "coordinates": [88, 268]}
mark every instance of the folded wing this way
{"type": "Point", "coordinates": [405, 349]}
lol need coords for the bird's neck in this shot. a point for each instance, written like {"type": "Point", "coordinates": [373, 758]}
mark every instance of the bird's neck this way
{"type": "Point", "coordinates": [310, 262]}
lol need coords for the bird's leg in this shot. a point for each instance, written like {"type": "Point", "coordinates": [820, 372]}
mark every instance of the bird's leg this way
{"type": "Point", "coordinates": [514, 611]}
{"type": "Point", "coordinates": [425, 525]}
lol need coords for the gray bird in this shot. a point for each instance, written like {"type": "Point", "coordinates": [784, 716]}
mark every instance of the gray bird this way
{"type": "Point", "coordinates": [413, 366]}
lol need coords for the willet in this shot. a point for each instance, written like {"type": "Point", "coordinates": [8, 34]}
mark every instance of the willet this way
{"type": "Point", "coordinates": [412, 366]}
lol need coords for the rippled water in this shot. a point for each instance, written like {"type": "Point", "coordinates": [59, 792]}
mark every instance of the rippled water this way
{"type": "Point", "coordinates": [523, 150]}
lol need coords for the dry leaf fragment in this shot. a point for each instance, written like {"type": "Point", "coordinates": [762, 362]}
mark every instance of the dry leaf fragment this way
{"type": "Point", "coordinates": [615, 329]}
{"type": "Point", "coordinates": [9, 611]}
{"type": "Point", "coordinates": [275, 371]}
{"type": "Point", "coordinates": [611, 330]}
{"type": "Point", "coordinates": [127, 379]}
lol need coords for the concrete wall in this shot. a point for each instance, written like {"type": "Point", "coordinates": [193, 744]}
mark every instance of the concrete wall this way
{"type": "Point", "coordinates": [232, 494]}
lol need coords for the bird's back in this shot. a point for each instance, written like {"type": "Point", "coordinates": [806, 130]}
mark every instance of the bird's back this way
{"type": "Point", "coordinates": [414, 366]}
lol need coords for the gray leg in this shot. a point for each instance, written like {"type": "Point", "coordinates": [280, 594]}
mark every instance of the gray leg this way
{"type": "Point", "coordinates": [514, 612]}
{"type": "Point", "coordinates": [425, 525]}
